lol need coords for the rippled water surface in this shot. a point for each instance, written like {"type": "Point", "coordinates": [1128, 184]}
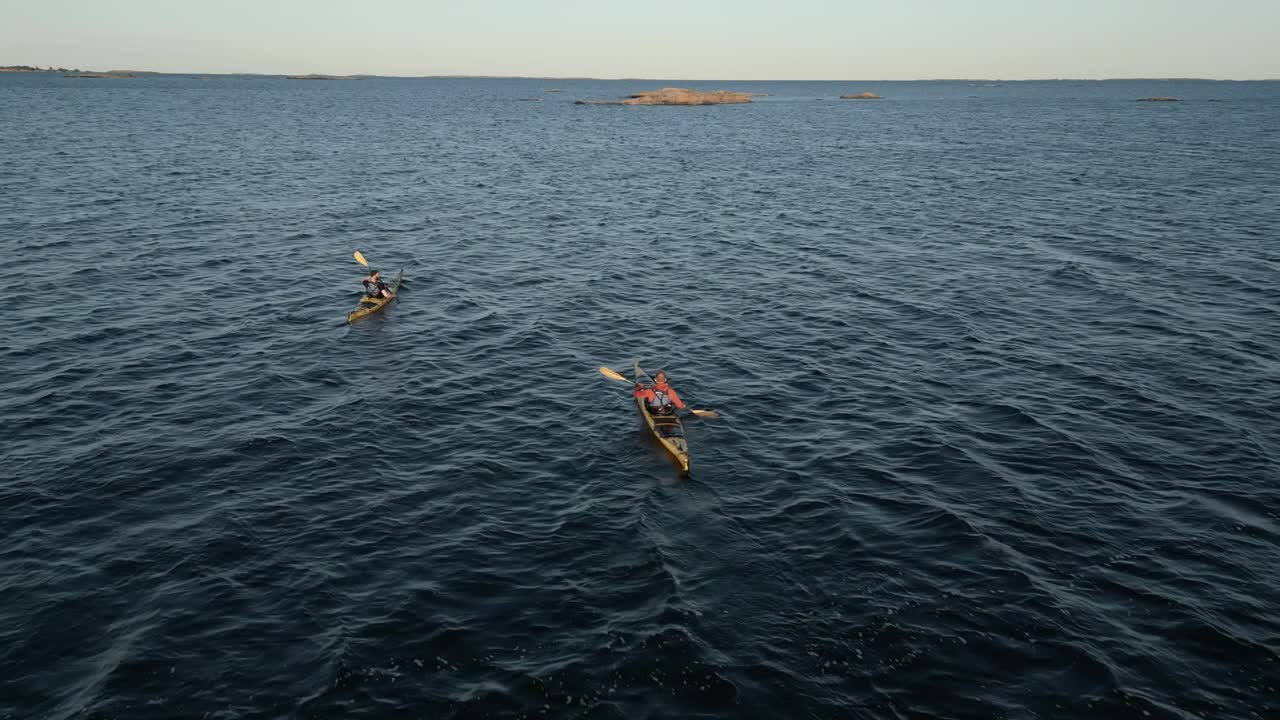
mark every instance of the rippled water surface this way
{"type": "Point", "coordinates": [998, 367]}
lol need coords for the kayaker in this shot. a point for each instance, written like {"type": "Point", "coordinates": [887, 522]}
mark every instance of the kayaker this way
{"type": "Point", "coordinates": [661, 399]}
{"type": "Point", "coordinates": [375, 288]}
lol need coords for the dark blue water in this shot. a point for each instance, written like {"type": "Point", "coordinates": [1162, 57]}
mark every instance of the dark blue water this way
{"type": "Point", "coordinates": [999, 370]}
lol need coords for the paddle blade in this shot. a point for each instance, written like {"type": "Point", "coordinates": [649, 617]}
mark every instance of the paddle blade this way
{"type": "Point", "coordinates": [612, 374]}
{"type": "Point", "coordinates": [360, 259]}
{"type": "Point", "coordinates": [709, 414]}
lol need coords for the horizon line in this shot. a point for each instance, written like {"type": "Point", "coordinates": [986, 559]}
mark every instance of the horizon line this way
{"type": "Point", "coordinates": [467, 76]}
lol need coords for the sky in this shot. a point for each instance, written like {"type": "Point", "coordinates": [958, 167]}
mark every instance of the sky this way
{"type": "Point", "coordinates": [667, 39]}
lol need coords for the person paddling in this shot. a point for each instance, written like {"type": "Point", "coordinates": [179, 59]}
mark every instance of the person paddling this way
{"type": "Point", "coordinates": [375, 288]}
{"type": "Point", "coordinates": [661, 399]}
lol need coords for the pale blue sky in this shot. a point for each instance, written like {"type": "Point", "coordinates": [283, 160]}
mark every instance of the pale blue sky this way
{"type": "Point", "coordinates": [696, 39]}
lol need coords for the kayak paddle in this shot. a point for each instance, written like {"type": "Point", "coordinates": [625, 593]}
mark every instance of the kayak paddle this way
{"type": "Point", "coordinates": [360, 259]}
{"type": "Point", "coordinates": [612, 374]}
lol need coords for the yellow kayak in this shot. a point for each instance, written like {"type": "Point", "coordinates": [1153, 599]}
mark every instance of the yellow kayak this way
{"type": "Point", "coordinates": [369, 305]}
{"type": "Point", "coordinates": [667, 429]}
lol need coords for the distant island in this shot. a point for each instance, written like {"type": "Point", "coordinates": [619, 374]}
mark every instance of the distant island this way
{"type": "Point", "coordinates": [76, 72]}
{"type": "Point", "coordinates": [676, 96]}
{"type": "Point", "coordinates": [313, 76]}
{"type": "Point", "coordinates": [861, 96]}
{"type": "Point", "coordinates": [32, 68]}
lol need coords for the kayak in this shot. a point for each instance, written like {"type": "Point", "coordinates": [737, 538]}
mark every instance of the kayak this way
{"type": "Point", "coordinates": [668, 430]}
{"type": "Point", "coordinates": [369, 305]}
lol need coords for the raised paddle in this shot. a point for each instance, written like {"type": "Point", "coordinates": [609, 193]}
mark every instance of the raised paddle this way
{"type": "Point", "coordinates": [615, 375]}
{"type": "Point", "coordinates": [360, 259]}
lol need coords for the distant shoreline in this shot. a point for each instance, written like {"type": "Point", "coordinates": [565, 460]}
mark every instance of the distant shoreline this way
{"type": "Point", "coordinates": [326, 76]}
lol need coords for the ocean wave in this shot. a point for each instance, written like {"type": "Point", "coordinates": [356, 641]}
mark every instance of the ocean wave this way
{"type": "Point", "coordinates": [984, 414]}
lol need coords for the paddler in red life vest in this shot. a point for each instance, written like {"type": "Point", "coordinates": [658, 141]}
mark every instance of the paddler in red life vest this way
{"type": "Point", "coordinates": [375, 288]}
{"type": "Point", "coordinates": [661, 399]}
